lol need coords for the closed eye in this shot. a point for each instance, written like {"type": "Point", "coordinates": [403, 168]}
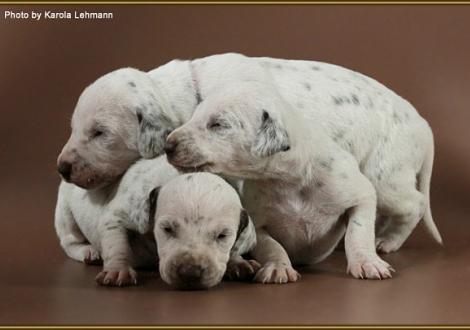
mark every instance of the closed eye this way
{"type": "Point", "coordinates": [218, 124]}
{"type": "Point", "coordinates": [168, 229]}
{"type": "Point", "coordinates": [97, 133]}
{"type": "Point", "coordinates": [222, 235]}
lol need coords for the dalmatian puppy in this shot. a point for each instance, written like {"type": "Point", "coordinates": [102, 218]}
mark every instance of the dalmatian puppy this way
{"type": "Point", "coordinates": [112, 223]}
{"type": "Point", "coordinates": [127, 114]}
{"type": "Point", "coordinates": [200, 229]}
{"type": "Point", "coordinates": [316, 166]}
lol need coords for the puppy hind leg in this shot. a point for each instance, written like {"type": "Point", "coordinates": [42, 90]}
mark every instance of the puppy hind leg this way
{"type": "Point", "coordinates": [363, 261]}
{"type": "Point", "coordinates": [406, 207]}
{"type": "Point", "coordinates": [72, 240]}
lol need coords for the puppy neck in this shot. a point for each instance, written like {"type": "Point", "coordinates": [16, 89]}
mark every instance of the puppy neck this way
{"type": "Point", "coordinates": [176, 81]}
{"type": "Point", "coordinates": [307, 143]}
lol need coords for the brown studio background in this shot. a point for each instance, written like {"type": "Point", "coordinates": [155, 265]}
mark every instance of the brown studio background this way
{"type": "Point", "coordinates": [420, 52]}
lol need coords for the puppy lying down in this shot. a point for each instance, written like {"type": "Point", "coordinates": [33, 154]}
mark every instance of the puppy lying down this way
{"type": "Point", "coordinates": [197, 220]}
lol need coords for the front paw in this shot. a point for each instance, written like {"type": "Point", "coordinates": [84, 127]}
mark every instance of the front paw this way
{"type": "Point", "coordinates": [279, 273]}
{"type": "Point", "coordinates": [370, 268]}
{"type": "Point", "coordinates": [241, 270]}
{"type": "Point", "coordinates": [117, 277]}
{"type": "Point", "coordinates": [92, 257]}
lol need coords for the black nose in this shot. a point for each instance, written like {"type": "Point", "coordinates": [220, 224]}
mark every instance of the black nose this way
{"type": "Point", "coordinates": [65, 169]}
{"type": "Point", "coordinates": [170, 147]}
{"type": "Point", "coordinates": [190, 274]}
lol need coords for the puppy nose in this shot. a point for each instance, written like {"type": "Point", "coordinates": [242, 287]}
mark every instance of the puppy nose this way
{"type": "Point", "coordinates": [170, 147]}
{"type": "Point", "coordinates": [190, 273]}
{"type": "Point", "coordinates": [65, 169]}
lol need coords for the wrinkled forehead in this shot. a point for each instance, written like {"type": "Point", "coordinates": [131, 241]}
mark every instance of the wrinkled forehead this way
{"type": "Point", "coordinates": [237, 104]}
{"type": "Point", "coordinates": [97, 104]}
{"type": "Point", "coordinates": [209, 212]}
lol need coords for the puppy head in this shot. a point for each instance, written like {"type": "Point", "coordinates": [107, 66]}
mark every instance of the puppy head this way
{"type": "Point", "coordinates": [111, 128]}
{"type": "Point", "coordinates": [234, 132]}
{"type": "Point", "coordinates": [199, 222]}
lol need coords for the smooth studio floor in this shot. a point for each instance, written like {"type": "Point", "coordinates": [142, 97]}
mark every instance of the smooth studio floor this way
{"type": "Point", "coordinates": [39, 285]}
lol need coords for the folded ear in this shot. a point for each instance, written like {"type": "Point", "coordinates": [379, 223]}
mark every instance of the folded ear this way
{"type": "Point", "coordinates": [271, 137]}
{"type": "Point", "coordinates": [143, 215]}
{"type": "Point", "coordinates": [154, 127]}
{"type": "Point", "coordinates": [246, 235]}
{"type": "Point", "coordinates": [152, 202]}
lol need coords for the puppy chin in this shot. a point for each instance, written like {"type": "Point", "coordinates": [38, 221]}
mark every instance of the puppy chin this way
{"type": "Point", "coordinates": [93, 182]}
{"type": "Point", "coordinates": [190, 165]}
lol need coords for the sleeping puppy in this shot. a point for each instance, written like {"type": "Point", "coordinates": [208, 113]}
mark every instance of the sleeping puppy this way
{"type": "Point", "coordinates": [127, 114]}
{"type": "Point", "coordinates": [200, 228]}
{"type": "Point", "coordinates": [306, 187]}
{"type": "Point", "coordinates": [201, 231]}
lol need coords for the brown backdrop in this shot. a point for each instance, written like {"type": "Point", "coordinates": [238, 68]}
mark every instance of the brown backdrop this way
{"type": "Point", "coordinates": [421, 52]}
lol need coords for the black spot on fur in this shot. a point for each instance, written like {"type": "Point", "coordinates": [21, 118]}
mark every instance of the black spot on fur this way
{"type": "Point", "coordinates": [307, 86]}
{"type": "Point", "coordinates": [131, 83]}
{"type": "Point", "coordinates": [355, 99]}
{"type": "Point", "coordinates": [316, 68]}
{"type": "Point", "coordinates": [265, 115]}
{"type": "Point", "coordinates": [189, 178]}
{"type": "Point", "coordinates": [326, 163]}
{"type": "Point", "coordinates": [337, 100]}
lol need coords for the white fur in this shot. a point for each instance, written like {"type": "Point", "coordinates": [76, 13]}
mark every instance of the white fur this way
{"type": "Point", "coordinates": [96, 223]}
{"type": "Point", "coordinates": [115, 223]}
{"type": "Point", "coordinates": [192, 211]}
{"type": "Point", "coordinates": [356, 148]}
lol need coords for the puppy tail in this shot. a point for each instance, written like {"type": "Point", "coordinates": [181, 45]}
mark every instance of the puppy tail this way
{"type": "Point", "coordinates": [424, 186]}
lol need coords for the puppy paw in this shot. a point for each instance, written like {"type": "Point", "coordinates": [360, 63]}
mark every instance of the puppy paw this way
{"type": "Point", "coordinates": [276, 273]}
{"type": "Point", "coordinates": [117, 277]}
{"type": "Point", "coordinates": [387, 244]}
{"type": "Point", "coordinates": [370, 268]}
{"type": "Point", "coordinates": [241, 270]}
{"type": "Point", "coordinates": [92, 256]}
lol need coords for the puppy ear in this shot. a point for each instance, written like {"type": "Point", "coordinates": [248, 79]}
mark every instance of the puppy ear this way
{"type": "Point", "coordinates": [153, 197]}
{"type": "Point", "coordinates": [246, 235]}
{"type": "Point", "coordinates": [153, 129]}
{"type": "Point", "coordinates": [143, 215]}
{"type": "Point", "coordinates": [271, 137]}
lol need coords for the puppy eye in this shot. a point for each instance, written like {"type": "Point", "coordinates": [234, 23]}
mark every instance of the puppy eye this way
{"type": "Point", "coordinates": [217, 125]}
{"type": "Point", "coordinates": [169, 230]}
{"type": "Point", "coordinates": [222, 236]}
{"type": "Point", "coordinates": [97, 133]}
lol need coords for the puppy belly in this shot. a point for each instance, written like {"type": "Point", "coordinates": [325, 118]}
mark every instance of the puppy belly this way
{"type": "Point", "coordinates": [307, 241]}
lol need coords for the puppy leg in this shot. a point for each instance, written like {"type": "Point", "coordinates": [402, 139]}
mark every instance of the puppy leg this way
{"type": "Point", "coordinates": [71, 237]}
{"type": "Point", "coordinates": [363, 261]}
{"type": "Point", "coordinates": [117, 256]}
{"type": "Point", "coordinates": [405, 206]}
{"type": "Point", "coordinates": [276, 265]}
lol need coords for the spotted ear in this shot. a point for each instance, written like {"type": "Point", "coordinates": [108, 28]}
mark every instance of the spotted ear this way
{"type": "Point", "coordinates": [142, 216]}
{"type": "Point", "coordinates": [154, 127]}
{"type": "Point", "coordinates": [246, 235]}
{"type": "Point", "coordinates": [152, 202]}
{"type": "Point", "coordinates": [271, 137]}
